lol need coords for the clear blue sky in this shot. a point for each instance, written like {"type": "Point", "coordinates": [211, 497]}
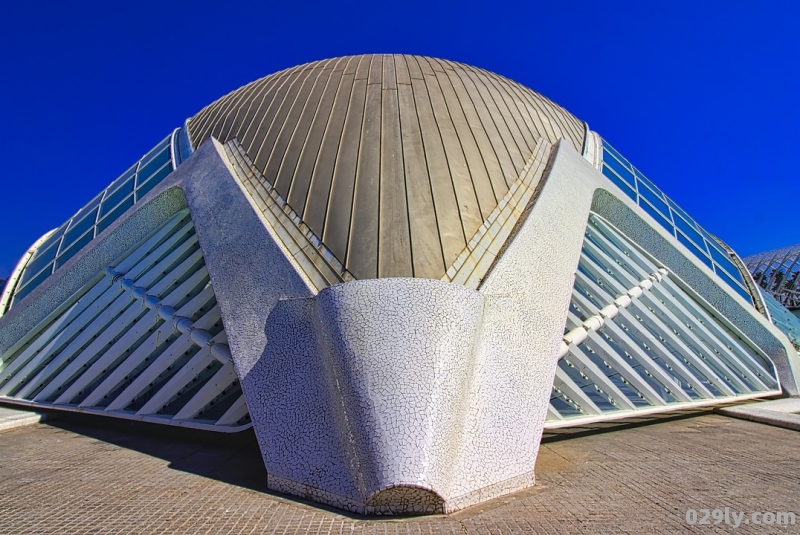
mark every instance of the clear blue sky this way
{"type": "Point", "coordinates": [702, 96]}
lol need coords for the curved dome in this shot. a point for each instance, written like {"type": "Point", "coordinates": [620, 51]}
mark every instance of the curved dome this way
{"type": "Point", "coordinates": [393, 161]}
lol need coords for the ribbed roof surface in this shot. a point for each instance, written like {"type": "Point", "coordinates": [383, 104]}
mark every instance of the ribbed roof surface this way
{"type": "Point", "coordinates": [393, 161]}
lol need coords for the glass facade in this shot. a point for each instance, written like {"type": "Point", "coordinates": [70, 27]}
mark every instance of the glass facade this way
{"type": "Point", "coordinates": [99, 213]}
{"type": "Point", "coordinates": [670, 216]}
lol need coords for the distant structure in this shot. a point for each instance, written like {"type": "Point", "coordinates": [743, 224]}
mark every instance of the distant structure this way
{"type": "Point", "coordinates": [399, 270]}
{"type": "Point", "coordinates": [777, 273]}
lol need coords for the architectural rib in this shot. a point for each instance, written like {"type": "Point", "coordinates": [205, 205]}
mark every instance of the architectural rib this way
{"type": "Point", "coordinates": [593, 323]}
{"type": "Point", "coordinates": [183, 325]}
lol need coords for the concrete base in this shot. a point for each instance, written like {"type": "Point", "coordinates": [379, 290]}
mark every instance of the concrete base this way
{"type": "Point", "coordinates": [11, 418]}
{"type": "Point", "coordinates": [780, 412]}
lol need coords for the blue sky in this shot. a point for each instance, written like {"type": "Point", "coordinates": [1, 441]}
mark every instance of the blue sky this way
{"type": "Point", "coordinates": [701, 96]}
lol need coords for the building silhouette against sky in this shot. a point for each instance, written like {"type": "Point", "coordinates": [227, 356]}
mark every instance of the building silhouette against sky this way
{"type": "Point", "coordinates": [399, 271]}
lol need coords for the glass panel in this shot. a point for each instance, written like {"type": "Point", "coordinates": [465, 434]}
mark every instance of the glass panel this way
{"type": "Point", "coordinates": [657, 216]}
{"type": "Point", "coordinates": [77, 229]}
{"type": "Point", "coordinates": [712, 243]}
{"type": "Point", "coordinates": [114, 214]}
{"type": "Point", "coordinates": [88, 208]}
{"type": "Point", "coordinates": [30, 287]}
{"type": "Point", "coordinates": [164, 143]}
{"type": "Point", "coordinates": [154, 180]}
{"type": "Point", "coordinates": [681, 212]}
{"type": "Point", "coordinates": [564, 408]}
{"type": "Point", "coordinates": [77, 246]}
{"type": "Point", "coordinates": [626, 175]}
{"type": "Point", "coordinates": [37, 264]}
{"type": "Point", "coordinates": [693, 248]}
{"type": "Point", "coordinates": [587, 386]}
{"type": "Point", "coordinates": [654, 200]}
{"type": "Point", "coordinates": [112, 202]}
{"type": "Point", "coordinates": [115, 198]}
{"type": "Point", "coordinates": [689, 231]}
{"type": "Point", "coordinates": [54, 239]}
{"type": "Point", "coordinates": [184, 146]}
{"type": "Point", "coordinates": [614, 153]}
{"type": "Point", "coordinates": [619, 182]}
{"type": "Point", "coordinates": [782, 318]}
{"type": "Point", "coordinates": [151, 167]}
{"type": "Point", "coordinates": [122, 179]}
{"type": "Point", "coordinates": [735, 275]}
{"type": "Point", "coordinates": [650, 185]}
{"type": "Point", "coordinates": [674, 218]}
{"type": "Point", "coordinates": [733, 284]}
{"type": "Point", "coordinates": [725, 262]}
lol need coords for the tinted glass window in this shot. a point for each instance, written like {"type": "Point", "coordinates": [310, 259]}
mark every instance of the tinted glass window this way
{"type": "Point", "coordinates": [151, 167]}
{"type": "Point", "coordinates": [725, 262]}
{"type": "Point", "coordinates": [644, 179]}
{"type": "Point", "coordinates": [34, 267]}
{"type": "Point", "coordinates": [626, 175]}
{"type": "Point", "coordinates": [654, 200]}
{"type": "Point", "coordinates": [122, 179]}
{"type": "Point", "coordinates": [689, 230]}
{"type": "Point", "coordinates": [88, 208]}
{"type": "Point", "coordinates": [619, 182]}
{"type": "Point", "coordinates": [69, 253]}
{"type": "Point", "coordinates": [115, 198]}
{"type": "Point", "coordinates": [693, 248]}
{"type": "Point", "coordinates": [23, 291]}
{"type": "Point", "coordinates": [78, 228]}
{"type": "Point", "coordinates": [154, 180]}
{"type": "Point", "coordinates": [54, 239]}
{"type": "Point", "coordinates": [616, 154]}
{"type": "Point", "coordinates": [683, 214]}
{"type": "Point", "coordinates": [657, 216]}
{"type": "Point", "coordinates": [114, 214]}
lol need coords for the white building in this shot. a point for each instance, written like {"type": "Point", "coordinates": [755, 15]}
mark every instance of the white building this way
{"type": "Point", "coordinates": [399, 271]}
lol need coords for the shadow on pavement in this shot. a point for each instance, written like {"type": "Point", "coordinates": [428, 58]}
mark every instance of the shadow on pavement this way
{"type": "Point", "coordinates": [230, 458]}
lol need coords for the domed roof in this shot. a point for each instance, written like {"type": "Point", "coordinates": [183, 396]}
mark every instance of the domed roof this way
{"type": "Point", "coordinates": [393, 161]}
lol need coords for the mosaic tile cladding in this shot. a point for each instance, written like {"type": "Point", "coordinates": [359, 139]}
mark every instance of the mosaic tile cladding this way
{"type": "Point", "coordinates": [358, 259]}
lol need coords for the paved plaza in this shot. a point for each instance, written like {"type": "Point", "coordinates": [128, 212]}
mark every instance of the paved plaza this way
{"type": "Point", "coordinates": [83, 475]}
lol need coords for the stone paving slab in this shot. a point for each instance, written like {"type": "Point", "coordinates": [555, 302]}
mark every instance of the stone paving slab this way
{"type": "Point", "coordinates": [95, 477]}
{"type": "Point", "coordinates": [12, 418]}
{"type": "Point", "coordinates": [780, 412]}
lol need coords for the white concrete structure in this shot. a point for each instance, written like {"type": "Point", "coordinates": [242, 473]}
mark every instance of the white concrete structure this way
{"type": "Point", "coordinates": [408, 361]}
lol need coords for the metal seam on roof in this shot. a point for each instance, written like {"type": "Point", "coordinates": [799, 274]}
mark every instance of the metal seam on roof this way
{"type": "Point", "coordinates": [360, 190]}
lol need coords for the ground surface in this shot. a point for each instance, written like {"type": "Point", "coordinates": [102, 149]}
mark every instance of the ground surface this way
{"type": "Point", "coordinates": [68, 476]}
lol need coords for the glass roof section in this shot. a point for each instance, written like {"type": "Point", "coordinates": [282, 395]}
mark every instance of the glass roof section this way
{"type": "Point", "coordinates": [670, 216]}
{"type": "Point", "coordinates": [99, 213]}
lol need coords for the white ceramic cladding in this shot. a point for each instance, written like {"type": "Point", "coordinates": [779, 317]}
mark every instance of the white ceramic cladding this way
{"type": "Point", "coordinates": [374, 375]}
{"type": "Point", "coordinates": [396, 395]}
{"type": "Point", "coordinates": [391, 395]}
{"type": "Point", "coordinates": [400, 395]}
